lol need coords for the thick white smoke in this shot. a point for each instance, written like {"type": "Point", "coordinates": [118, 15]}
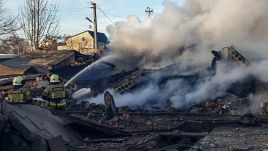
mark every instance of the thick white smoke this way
{"type": "Point", "coordinates": [197, 26]}
{"type": "Point", "coordinates": [181, 94]}
{"type": "Point", "coordinates": [186, 33]}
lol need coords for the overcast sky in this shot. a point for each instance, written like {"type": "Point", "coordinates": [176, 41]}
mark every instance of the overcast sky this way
{"type": "Point", "coordinates": [72, 13]}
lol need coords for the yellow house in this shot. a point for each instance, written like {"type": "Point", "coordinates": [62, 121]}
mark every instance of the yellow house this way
{"type": "Point", "coordinates": [84, 42]}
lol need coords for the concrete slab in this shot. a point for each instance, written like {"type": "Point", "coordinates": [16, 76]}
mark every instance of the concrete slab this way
{"type": "Point", "coordinates": [41, 122]}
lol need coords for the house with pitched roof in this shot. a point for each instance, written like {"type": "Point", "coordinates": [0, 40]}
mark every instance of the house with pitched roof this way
{"type": "Point", "coordinates": [84, 42]}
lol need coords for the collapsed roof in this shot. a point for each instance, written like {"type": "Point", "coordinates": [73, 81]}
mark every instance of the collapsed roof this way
{"type": "Point", "coordinates": [35, 62]}
{"type": "Point", "coordinates": [4, 57]}
{"type": "Point", "coordinates": [228, 54]}
{"type": "Point", "coordinates": [104, 68]}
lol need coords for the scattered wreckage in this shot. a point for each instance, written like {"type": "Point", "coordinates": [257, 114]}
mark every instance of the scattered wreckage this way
{"type": "Point", "coordinates": [123, 77]}
{"type": "Point", "coordinates": [108, 127]}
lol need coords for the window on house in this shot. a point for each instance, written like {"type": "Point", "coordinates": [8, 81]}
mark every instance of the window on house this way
{"type": "Point", "coordinates": [83, 39]}
{"type": "Point", "coordinates": [84, 42]}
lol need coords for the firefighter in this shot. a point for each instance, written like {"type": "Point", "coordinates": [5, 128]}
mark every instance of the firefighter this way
{"type": "Point", "coordinates": [19, 94]}
{"type": "Point", "coordinates": [55, 93]}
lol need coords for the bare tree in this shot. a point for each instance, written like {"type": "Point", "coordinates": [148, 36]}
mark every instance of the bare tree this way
{"type": "Point", "coordinates": [7, 22]}
{"type": "Point", "coordinates": [39, 20]}
{"type": "Point", "coordinates": [13, 44]}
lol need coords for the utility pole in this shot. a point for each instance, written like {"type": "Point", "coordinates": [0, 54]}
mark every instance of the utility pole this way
{"type": "Point", "coordinates": [95, 26]}
{"type": "Point", "coordinates": [149, 11]}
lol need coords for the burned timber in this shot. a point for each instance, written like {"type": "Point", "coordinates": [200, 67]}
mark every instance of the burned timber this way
{"type": "Point", "coordinates": [220, 123]}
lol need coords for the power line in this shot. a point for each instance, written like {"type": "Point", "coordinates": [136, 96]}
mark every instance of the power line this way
{"type": "Point", "coordinates": [70, 10]}
{"type": "Point", "coordinates": [105, 15]}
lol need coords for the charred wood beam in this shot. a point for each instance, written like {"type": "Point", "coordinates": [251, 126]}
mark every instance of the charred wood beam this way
{"type": "Point", "coordinates": [197, 134]}
{"type": "Point", "coordinates": [165, 141]}
{"type": "Point", "coordinates": [144, 132]}
{"type": "Point", "coordinates": [112, 140]}
{"type": "Point", "coordinates": [183, 118]}
{"type": "Point", "coordinates": [206, 116]}
{"type": "Point", "coordinates": [95, 127]}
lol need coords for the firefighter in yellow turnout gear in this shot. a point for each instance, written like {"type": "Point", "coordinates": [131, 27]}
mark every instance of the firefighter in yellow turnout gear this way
{"type": "Point", "coordinates": [19, 94]}
{"type": "Point", "coordinates": [55, 93]}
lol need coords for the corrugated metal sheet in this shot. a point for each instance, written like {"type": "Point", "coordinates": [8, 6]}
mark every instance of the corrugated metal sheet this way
{"type": "Point", "coordinates": [36, 62]}
{"type": "Point", "coordinates": [6, 69]}
{"type": "Point", "coordinates": [4, 57]}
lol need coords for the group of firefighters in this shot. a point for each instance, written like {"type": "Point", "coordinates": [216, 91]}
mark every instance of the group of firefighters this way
{"type": "Point", "coordinates": [55, 94]}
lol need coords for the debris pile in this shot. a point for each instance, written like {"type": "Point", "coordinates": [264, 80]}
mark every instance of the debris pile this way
{"type": "Point", "coordinates": [234, 138]}
{"type": "Point", "coordinates": [138, 123]}
{"type": "Point", "coordinates": [105, 125]}
{"type": "Point", "coordinates": [154, 141]}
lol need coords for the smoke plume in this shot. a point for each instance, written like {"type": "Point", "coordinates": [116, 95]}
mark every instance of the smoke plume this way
{"type": "Point", "coordinates": [186, 33]}
{"type": "Point", "coordinates": [193, 29]}
{"type": "Point", "coordinates": [181, 94]}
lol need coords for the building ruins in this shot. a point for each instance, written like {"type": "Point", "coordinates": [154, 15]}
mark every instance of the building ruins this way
{"type": "Point", "coordinates": [221, 123]}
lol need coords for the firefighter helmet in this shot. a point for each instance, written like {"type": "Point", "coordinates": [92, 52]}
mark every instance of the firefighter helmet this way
{"type": "Point", "coordinates": [17, 80]}
{"type": "Point", "coordinates": [54, 78]}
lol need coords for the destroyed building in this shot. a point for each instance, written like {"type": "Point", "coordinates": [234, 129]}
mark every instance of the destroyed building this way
{"type": "Point", "coordinates": [89, 126]}
{"type": "Point", "coordinates": [122, 77]}
{"type": "Point", "coordinates": [36, 62]}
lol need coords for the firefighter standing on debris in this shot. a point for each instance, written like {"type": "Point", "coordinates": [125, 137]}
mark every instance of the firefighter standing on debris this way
{"type": "Point", "coordinates": [19, 94]}
{"type": "Point", "coordinates": [55, 93]}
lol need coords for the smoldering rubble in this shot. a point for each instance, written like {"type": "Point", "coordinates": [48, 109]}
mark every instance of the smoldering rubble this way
{"type": "Point", "coordinates": [156, 103]}
{"type": "Point", "coordinates": [193, 77]}
{"type": "Point", "coordinates": [149, 109]}
{"type": "Point", "coordinates": [157, 87]}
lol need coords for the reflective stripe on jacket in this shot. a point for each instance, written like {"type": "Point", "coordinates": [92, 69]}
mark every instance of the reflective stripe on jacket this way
{"type": "Point", "coordinates": [60, 104]}
{"type": "Point", "coordinates": [19, 95]}
{"type": "Point", "coordinates": [55, 94]}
